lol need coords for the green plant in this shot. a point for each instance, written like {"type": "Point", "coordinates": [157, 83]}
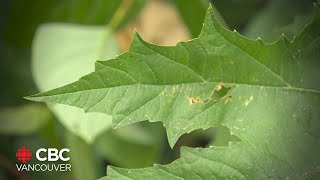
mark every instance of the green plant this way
{"type": "Point", "coordinates": [268, 95]}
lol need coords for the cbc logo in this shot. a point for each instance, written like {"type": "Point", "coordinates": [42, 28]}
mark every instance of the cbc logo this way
{"type": "Point", "coordinates": [24, 155]}
{"type": "Point", "coordinates": [52, 154]}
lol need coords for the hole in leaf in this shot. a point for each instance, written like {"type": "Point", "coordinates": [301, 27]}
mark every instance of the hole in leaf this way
{"type": "Point", "coordinates": [124, 146]}
{"type": "Point", "coordinates": [216, 136]}
{"type": "Point", "coordinates": [219, 92]}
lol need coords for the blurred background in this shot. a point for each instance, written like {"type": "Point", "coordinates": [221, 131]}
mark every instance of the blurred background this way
{"type": "Point", "coordinates": [47, 44]}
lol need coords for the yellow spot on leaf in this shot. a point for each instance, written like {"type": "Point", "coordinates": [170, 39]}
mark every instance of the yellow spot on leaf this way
{"type": "Point", "coordinates": [248, 101]}
{"type": "Point", "coordinates": [193, 100]}
{"type": "Point", "coordinates": [218, 87]}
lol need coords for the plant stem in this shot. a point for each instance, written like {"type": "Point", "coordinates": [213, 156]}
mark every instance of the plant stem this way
{"type": "Point", "coordinates": [114, 23]}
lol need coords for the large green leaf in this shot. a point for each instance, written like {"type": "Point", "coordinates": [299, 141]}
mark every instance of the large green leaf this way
{"type": "Point", "coordinates": [268, 95]}
{"type": "Point", "coordinates": [62, 53]}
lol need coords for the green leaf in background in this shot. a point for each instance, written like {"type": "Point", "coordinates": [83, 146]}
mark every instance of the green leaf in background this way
{"type": "Point", "coordinates": [193, 13]}
{"type": "Point", "coordinates": [272, 22]}
{"type": "Point", "coordinates": [36, 12]}
{"type": "Point", "coordinates": [238, 13]}
{"type": "Point", "coordinates": [81, 158]}
{"type": "Point", "coordinates": [19, 20]}
{"type": "Point", "coordinates": [23, 120]}
{"type": "Point", "coordinates": [62, 53]}
{"type": "Point", "coordinates": [268, 95]}
{"type": "Point", "coordinates": [133, 146]}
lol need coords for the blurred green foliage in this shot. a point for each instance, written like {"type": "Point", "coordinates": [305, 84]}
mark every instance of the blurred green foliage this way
{"type": "Point", "coordinates": [138, 145]}
{"type": "Point", "coordinates": [25, 16]}
{"type": "Point", "coordinates": [271, 21]}
{"type": "Point", "coordinates": [192, 13]}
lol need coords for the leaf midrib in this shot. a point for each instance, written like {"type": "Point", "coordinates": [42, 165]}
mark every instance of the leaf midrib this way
{"type": "Point", "coordinates": [222, 83]}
